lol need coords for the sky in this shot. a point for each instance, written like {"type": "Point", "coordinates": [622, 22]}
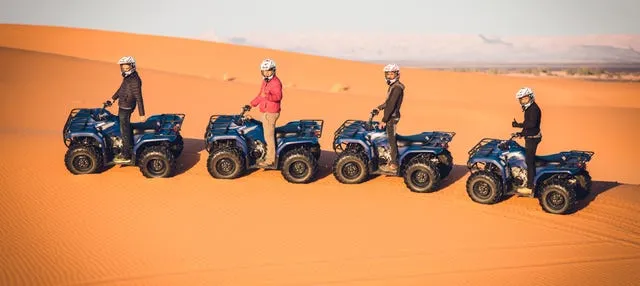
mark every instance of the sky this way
{"type": "Point", "coordinates": [190, 18]}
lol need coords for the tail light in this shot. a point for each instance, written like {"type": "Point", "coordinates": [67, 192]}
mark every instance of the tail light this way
{"type": "Point", "coordinates": [317, 133]}
{"type": "Point", "coordinates": [176, 128]}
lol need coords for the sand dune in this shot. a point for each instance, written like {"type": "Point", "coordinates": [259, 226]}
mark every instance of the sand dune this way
{"type": "Point", "coordinates": [117, 228]}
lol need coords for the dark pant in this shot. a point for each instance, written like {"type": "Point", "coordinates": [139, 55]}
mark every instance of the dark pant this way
{"type": "Point", "coordinates": [531, 145]}
{"type": "Point", "coordinates": [125, 131]}
{"type": "Point", "coordinates": [391, 135]}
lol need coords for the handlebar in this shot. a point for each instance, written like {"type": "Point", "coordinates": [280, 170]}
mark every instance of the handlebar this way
{"type": "Point", "coordinates": [373, 113]}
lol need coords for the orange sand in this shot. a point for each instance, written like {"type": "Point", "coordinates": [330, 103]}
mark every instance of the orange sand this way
{"type": "Point", "coordinates": [118, 228]}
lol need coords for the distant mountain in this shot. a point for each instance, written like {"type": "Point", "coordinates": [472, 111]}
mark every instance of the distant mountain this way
{"type": "Point", "coordinates": [452, 48]}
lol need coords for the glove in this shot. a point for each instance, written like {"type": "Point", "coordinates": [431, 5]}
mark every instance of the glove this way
{"type": "Point", "coordinates": [246, 107]}
{"type": "Point", "coordinates": [107, 103]}
{"type": "Point", "coordinates": [518, 134]}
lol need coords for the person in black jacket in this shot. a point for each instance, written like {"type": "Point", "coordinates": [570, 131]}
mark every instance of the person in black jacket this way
{"type": "Point", "coordinates": [391, 107]}
{"type": "Point", "coordinates": [531, 133]}
{"type": "Point", "coordinates": [129, 95]}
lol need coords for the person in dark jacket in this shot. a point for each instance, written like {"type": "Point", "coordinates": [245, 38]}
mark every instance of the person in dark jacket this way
{"type": "Point", "coordinates": [391, 107]}
{"type": "Point", "coordinates": [530, 132]}
{"type": "Point", "coordinates": [129, 95]}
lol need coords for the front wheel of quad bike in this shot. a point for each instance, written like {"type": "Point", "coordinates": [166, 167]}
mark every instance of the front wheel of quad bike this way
{"type": "Point", "coordinates": [226, 163]}
{"type": "Point", "coordinates": [81, 160]}
{"type": "Point", "coordinates": [446, 164]}
{"type": "Point", "coordinates": [484, 187]}
{"type": "Point", "coordinates": [157, 162]}
{"type": "Point", "coordinates": [584, 184]}
{"type": "Point", "coordinates": [177, 146]}
{"type": "Point", "coordinates": [299, 166]}
{"type": "Point", "coordinates": [351, 168]}
{"type": "Point", "coordinates": [557, 197]}
{"type": "Point", "coordinates": [421, 176]}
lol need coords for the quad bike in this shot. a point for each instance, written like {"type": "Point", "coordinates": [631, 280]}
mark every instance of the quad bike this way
{"type": "Point", "coordinates": [498, 169]}
{"type": "Point", "coordinates": [363, 150]}
{"type": "Point", "coordinates": [236, 144]}
{"type": "Point", "coordinates": [93, 139]}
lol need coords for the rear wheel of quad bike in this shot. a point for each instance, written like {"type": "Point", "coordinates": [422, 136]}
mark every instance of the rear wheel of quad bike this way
{"type": "Point", "coordinates": [226, 163]}
{"type": "Point", "coordinates": [351, 168]}
{"type": "Point", "coordinates": [81, 159]}
{"type": "Point", "coordinates": [584, 184]}
{"type": "Point", "coordinates": [299, 166]}
{"type": "Point", "coordinates": [484, 187]}
{"type": "Point", "coordinates": [157, 162]}
{"type": "Point", "coordinates": [446, 163]}
{"type": "Point", "coordinates": [557, 197]}
{"type": "Point", "coordinates": [421, 175]}
{"type": "Point", "coordinates": [177, 146]}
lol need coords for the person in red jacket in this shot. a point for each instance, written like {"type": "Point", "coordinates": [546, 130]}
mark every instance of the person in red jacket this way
{"type": "Point", "coordinates": [268, 99]}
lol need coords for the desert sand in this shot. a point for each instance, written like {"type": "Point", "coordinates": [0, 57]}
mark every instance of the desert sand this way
{"type": "Point", "coordinates": [118, 228]}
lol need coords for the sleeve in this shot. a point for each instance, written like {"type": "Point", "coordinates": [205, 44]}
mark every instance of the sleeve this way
{"type": "Point", "coordinates": [274, 93]}
{"type": "Point", "coordinates": [391, 102]}
{"type": "Point", "coordinates": [116, 95]}
{"type": "Point", "coordinates": [136, 89]}
{"type": "Point", "coordinates": [531, 120]}
{"type": "Point", "coordinates": [256, 101]}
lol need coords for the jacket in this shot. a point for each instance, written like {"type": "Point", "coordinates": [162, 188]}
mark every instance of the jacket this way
{"type": "Point", "coordinates": [531, 125]}
{"type": "Point", "coordinates": [130, 93]}
{"type": "Point", "coordinates": [391, 106]}
{"type": "Point", "coordinates": [271, 102]}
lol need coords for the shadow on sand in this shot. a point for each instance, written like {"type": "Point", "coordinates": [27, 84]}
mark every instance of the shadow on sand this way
{"type": "Point", "coordinates": [190, 155]}
{"type": "Point", "coordinates": [597, 188]}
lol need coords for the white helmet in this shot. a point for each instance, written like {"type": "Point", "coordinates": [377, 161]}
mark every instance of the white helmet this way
{"type": "Point", "coordinates": [524, 92]}
{"type": "Point", "coordinates": [267, 64]}
{"type": "Point", "coordinates": [127, 60]}
{"type": "Point", "coordinates": [391, 68]}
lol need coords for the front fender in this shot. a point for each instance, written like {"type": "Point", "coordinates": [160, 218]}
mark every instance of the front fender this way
{"type": "Point", "coordinates": [494, 162]}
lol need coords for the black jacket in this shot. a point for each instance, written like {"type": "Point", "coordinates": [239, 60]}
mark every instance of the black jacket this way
{"type": "Point", "coordinates": [391, 106]}
{"type": "Point", "coordinates": [532, 118]}
{"type": "Point", "coordinates": [130, 93]}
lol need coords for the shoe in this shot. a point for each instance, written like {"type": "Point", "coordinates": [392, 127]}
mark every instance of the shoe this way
{"type": "Point", "coordinates": [121, 160]}
{"type": "Point", "coordinates": [264, 164]}
{"type": "Point", "coordinates": [525, 191]}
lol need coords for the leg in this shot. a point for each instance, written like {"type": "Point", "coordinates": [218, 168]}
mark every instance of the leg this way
{"type": "Point", "coordinates": [125, 131]}
{"type": "Point", "coordinates": [269, 127]}
{"type": "Point", "coordinates": [391, 137]}
{"type": "Point", "coordinates": [531, 145]}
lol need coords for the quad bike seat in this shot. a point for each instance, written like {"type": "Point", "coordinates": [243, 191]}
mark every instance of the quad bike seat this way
{"type": "Point", "coordinates": [286, 130]}
{"type": "Point", "coordinates": [144, 127]}
{"type": "Point", "coordinates": [416, 139]}
{"type": "Point", "coordinates": [549, 159]}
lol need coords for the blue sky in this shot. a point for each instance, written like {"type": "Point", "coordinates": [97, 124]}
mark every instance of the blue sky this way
{"type": "Point", "coordinates": [189, 18]}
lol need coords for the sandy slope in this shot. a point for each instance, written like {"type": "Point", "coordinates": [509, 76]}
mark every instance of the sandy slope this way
{"type": "Point", "coordinates": [117, 228]}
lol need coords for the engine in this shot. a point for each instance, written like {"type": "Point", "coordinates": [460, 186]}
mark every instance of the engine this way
{"type": "Point", "coordinates": [116, 144]}
{"type": "Point", "coordinates": [257, 150]}
{"type": "Point", "coordinates": [384, 155]}
{"type": "Point", "coordinates": [519, 176]}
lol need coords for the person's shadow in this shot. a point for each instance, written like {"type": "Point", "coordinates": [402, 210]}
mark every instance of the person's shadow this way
{"type": "Point", "coordinates": [190, 155]}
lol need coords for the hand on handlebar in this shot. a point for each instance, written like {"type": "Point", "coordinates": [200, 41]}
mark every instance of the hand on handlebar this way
{"type": "Point", "coordinates": [516, 135]}
{"type": "Point", "coordinates": [246, 108]}
{"type": "Point", "coordinates": [107, 103]}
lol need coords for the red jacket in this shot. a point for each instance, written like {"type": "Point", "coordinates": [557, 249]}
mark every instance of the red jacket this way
{"type": "Point", "coordinates": [271, 102]}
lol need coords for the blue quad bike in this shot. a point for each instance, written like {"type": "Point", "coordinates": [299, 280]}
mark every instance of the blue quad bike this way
{"type": "Point", "coordinates": [93, 139]}
{"type": "Point", "coordinates": [236, 144]}
{"type": "Point", "coordinates": [363, 150]}
{"type": "Point", "coordinates": [498, 169]}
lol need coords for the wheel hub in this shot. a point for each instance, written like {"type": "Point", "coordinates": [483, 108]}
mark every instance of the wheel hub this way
{"type": "Point", "coordinates": [82, 162]}
{"type": "Point", "coordinates": [482, 189]}
{"type": "Point", "coordinates": [225, 166]}
{"type": "Point", "coordinates": [420, 178]}
{"type": "Point", "coordinates": [351, 170]}
{"type": "Point", "coordinates": [156, 166]}
{"type": "Point", "coordinates": [555, 200]}
{"type": "Point", "coordinates": [298, 169]}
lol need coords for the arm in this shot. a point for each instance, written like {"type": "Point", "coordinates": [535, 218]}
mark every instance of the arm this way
{"type": "Point", "coordinates": [256, 101]}
{"type": "Point", "coordinates": [392, 103]}
{"type": "Point", "coordinates": [136, 89]}
{"type": "Point", "coordinates": [116, 95]}
{"type": "Point", "coordinates": [531, 120]}
{"type": "Point", "coordinates": [274, 93]}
